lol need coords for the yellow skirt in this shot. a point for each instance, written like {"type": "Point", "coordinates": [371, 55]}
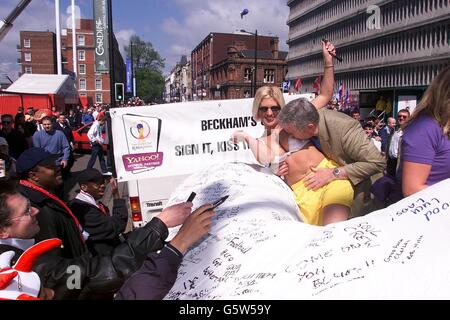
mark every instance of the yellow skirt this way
{"type": "Point", "coordinates": [311, 202]}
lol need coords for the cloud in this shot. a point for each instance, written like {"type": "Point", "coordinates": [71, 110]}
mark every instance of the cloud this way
{"type": "Point", "coordinates": [123, 38]}
{"type": "Point", "coordinates": [38, 16]}
{"type": "Point", "coordinates": [199, 18]}
{"type": "Point", "coordinates": [174, 55]}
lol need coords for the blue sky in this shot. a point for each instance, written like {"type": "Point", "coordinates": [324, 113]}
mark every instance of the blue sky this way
{"type": "Point", "coordinates": [174, 27]}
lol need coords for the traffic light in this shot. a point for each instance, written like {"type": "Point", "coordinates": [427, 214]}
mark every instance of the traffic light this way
{"type": "Point", "coordinates": [120, 92]}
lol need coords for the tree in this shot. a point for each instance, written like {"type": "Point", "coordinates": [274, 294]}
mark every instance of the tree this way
{"type": "Point", "coordinates": [144, 55]}
{"type": "Point", "coordinates": [148, 65]}
{"type": "Point", "coordinates": [151, 85]}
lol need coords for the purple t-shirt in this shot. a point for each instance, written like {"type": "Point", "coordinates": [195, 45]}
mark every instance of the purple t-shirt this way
{"type": "Point", "coordinates": [424, 142]}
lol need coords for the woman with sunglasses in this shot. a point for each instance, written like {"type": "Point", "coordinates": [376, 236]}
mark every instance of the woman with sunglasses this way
{"type": "Point", "coordinates": [425, 146]}
{"type": "Point", "coordinates": [269, 101]}
{"type": "Point", "coordinates": [293, 158]}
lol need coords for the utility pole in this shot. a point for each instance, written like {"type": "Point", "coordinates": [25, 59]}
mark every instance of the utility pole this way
{"type": "Point", "coordinates": [110, 156]}
{"type": "Point", "coordinates": [58, 38]}
{"type": "Point", "coordinates": [255, 65]}
{"type": "Point", "coordinates": [133, 77]}
{"type": "Point", "coordinates": [111, 56]}
{"type": "Point", "coordinates": [74, 40]}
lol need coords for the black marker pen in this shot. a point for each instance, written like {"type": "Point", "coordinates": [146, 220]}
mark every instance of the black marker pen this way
{"type": "Point", "coordinates": [191, 197]}
{"type": "Point", "coordinates": [218, 202]}
{"type": "Point", "coordinates": [335, 56]}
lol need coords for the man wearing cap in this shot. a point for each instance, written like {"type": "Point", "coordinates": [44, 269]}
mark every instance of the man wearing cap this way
{"type": "Point", "coordinates": [105, 230]}
{"type": "Point", "coordinates": [53, 141]}
{"type": "Point", "coordinates": [99, 276]}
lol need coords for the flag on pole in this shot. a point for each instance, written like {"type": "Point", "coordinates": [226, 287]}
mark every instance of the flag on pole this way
{"type": "Point", "coordinates": [298, 84]}
{"type": "Point", "coordinates": [243, 13]}
{"type": "Point", "coordinates": [317, 83]}
{"type": "Point", "coordinates": [346, 100]}
{"type": "Point", "coordinates": [341, 93]}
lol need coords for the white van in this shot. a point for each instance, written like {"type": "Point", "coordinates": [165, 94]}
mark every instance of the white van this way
{"type": "Point", "coordinates": [148, 197]}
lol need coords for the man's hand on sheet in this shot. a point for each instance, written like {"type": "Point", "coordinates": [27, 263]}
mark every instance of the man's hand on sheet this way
{"type": "Point", "coordinates": [175, 215]}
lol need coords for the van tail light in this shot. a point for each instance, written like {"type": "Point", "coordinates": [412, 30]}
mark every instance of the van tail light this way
{"type": "Point", "coordinates": [136, 213]}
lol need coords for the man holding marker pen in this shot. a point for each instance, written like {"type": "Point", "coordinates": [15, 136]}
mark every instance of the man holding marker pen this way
{"type": "Point", "coordinates": [159, 271]}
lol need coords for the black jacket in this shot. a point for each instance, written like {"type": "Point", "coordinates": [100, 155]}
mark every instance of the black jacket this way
{"type": "Point", "coordinates": [72, 272]}
{"type": "Point", "coordinates": [104, 230]}
{"type": "Point", "coordinates": [16, 141]}
{"type": "Point", "coordinates": [67, 130]}
{"type": "Point", "coordinates": [155, 278]}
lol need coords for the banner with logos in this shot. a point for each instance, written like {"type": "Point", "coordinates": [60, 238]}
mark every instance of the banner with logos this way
{"type": "Point", "coordinates": [129, 76]}
{"type": "Point", "coordinates": [181, 138]}
{"type": "Point", "coordinates": [101, 39]}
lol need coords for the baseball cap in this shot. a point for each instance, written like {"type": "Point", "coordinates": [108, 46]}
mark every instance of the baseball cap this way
{"type": "Point", "coordinates": [32, 157]}
{"type": "Point", "coordinates": [3, 142]}
{"type": "Point", "coordinates": [90, 175]}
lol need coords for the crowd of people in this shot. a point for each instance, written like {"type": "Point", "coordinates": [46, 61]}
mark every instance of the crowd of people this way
{"type": "Point", "coordinates": [132, 102]}
{"type": "Point", "coordinates": [37, 156]}
{"type": "Point", "coordinates": [330, 160]}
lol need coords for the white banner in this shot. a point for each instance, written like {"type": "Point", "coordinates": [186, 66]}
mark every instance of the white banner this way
{"type": "Point", "coordinates": [181, 138]}
{"type": "Point", "coordinates": [258, 249]}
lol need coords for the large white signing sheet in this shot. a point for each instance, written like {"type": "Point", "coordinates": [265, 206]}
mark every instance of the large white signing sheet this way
{"type": "Point", "coordinates": [258, 248]}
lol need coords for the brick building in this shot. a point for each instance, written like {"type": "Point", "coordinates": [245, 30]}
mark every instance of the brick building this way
{"type": "Point", "coordinates": [37, 52]}
{"type": "Point", "coordinates": [38, 56]}
{"type": "Point", "coordinates": [223, 64]}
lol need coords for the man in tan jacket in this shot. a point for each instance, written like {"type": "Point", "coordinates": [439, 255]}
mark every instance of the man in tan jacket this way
{"type": "Point", "coordinates": [341, 139]}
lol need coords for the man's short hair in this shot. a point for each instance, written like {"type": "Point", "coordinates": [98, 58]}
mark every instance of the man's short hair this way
{"type": "Point", "coordinates": [299, 113]}
{"type": "Point", "coordinates": [46, 118]}
{"type": "Point", "coordinates": [7, 189]}
{"type": "Point", "coordinates": [404, 111]}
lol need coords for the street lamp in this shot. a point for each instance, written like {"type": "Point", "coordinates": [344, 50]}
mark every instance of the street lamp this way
{"type": "Point", "coordinates": [254, 78]}
{"type": "Point", "coordinates": [203, 83]}
{"type": "Point", "coordinates": [133, 78]}
{"type": "Point", "coordinates": [218, 92]}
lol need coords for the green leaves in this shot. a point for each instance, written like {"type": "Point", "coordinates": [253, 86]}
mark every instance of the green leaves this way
{"type": "Point", "coordinates": [148, 65]}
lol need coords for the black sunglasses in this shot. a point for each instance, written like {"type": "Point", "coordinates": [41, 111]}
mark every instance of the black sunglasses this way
{"type": "Point", "coordinates": [273, 108]}
{"type": "Point", "coordinates": [6, 122]}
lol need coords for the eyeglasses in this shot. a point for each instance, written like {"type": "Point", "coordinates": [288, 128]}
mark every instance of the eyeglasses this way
{"type": "Point", "coordinates": [402, 117]}
{"type": "Point", "coordinates": [27, 212]}
{"type": "Point", "coordinates": [273, 108]}
{"type": "Point", "coordinates": [6, 122]}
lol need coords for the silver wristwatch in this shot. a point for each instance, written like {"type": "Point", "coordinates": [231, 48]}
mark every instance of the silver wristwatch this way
{"type": "Point", "coordinates": [336, 172]}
